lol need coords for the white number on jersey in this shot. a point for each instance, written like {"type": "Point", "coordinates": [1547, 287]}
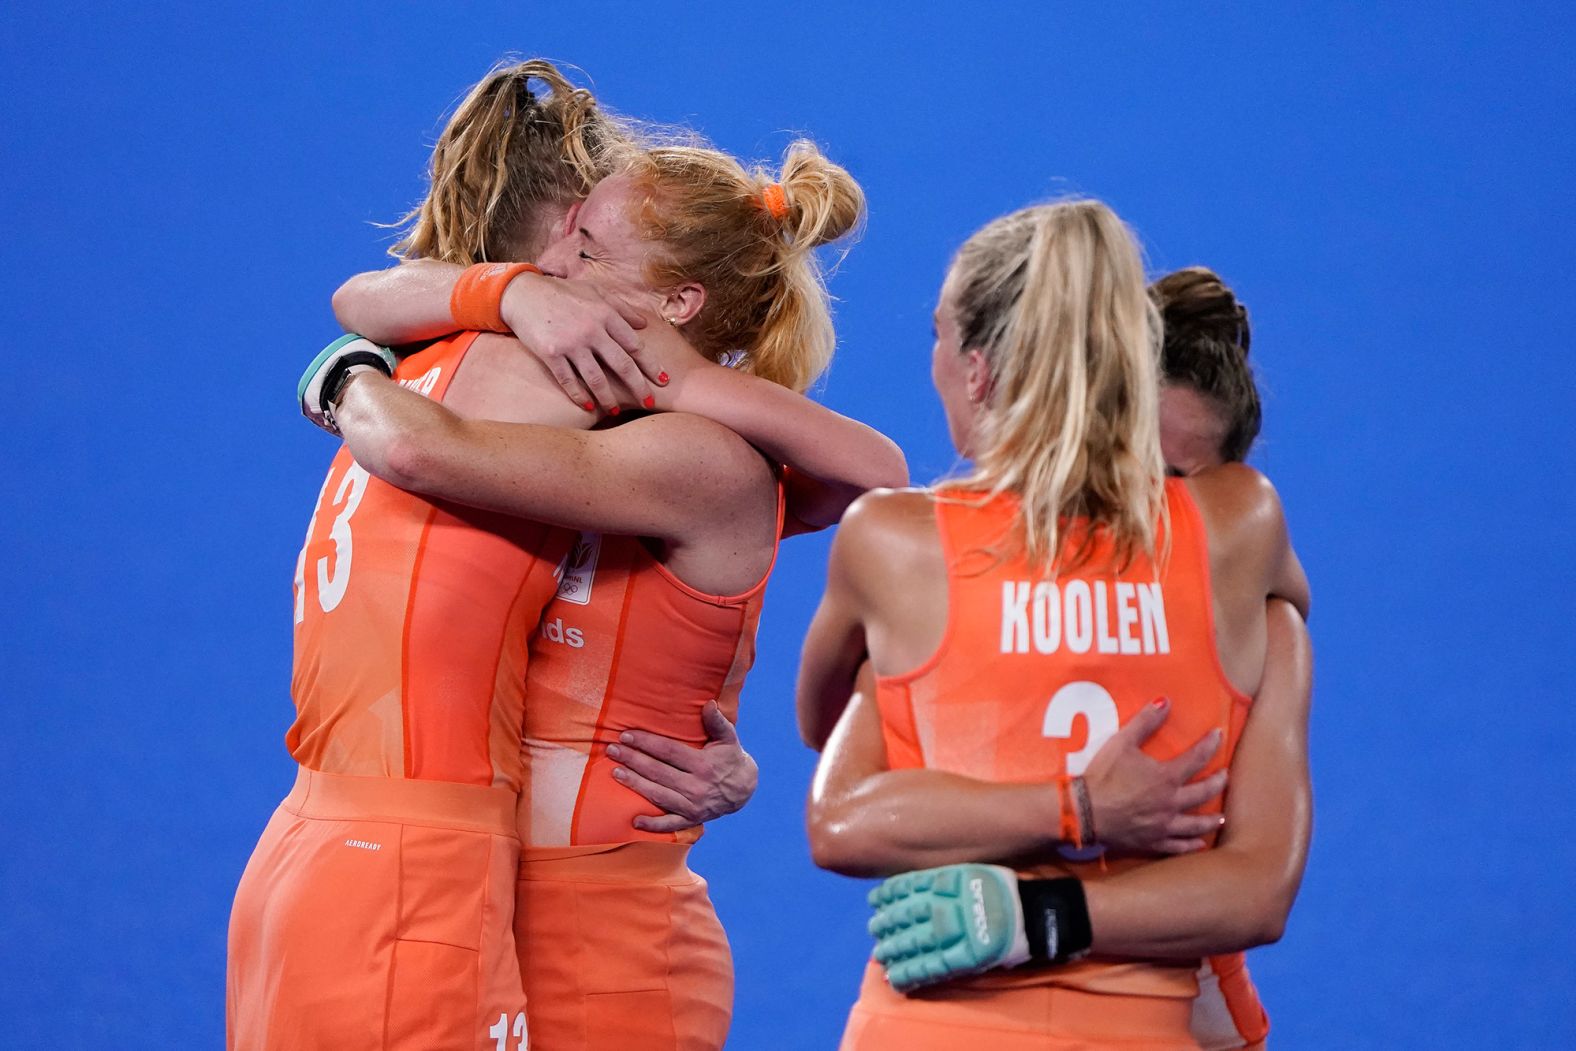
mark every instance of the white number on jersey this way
{"type": "Point", "coordinates": [500, 1032]}
{"type": "Point", "coordinates": [332, 581]}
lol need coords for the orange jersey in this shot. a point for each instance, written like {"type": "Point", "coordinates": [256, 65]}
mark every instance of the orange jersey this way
{"type": "Point", "coordinates": [624, 645]}
{"type": "Point", "coordinates": [412, 621]}
{"type": "Point", "coordinates": [1035, 673]}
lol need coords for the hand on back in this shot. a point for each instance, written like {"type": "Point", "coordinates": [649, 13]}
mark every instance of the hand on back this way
{"type": "Point", "coordinates": [1141, 804]}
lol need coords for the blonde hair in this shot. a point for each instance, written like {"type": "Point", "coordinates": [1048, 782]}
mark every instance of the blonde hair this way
{"type": "Point", "coordinates": [1054, 297]}
{"type": "Point", "coordinates": [765, 291]}
{"type": "Point", "coordinates": [506, 151]}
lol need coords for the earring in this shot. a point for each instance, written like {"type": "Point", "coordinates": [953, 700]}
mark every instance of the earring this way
{"type": "Point", "coordinates": [670, 321]}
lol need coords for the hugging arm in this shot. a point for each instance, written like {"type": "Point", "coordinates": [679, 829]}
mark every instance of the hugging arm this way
{"type": "Point", "coordinates": [408, 303]}
{"type": "Point", "coordinates": [664, 476]}
{"type": "Point", "coordinates": [835, 459]}
{"type": "Point", "coordinates": [868, 820]}
{"type": "Point", "coordinates": [1238, 894]}
{"type": "Point", "coordinates": [577, 332]}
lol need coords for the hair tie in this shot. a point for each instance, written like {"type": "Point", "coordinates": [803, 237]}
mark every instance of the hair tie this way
{"type": "Point", "coordinates": [775, 201]}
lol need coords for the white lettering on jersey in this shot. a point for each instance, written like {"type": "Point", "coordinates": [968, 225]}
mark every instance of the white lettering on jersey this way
{"type": "Point", "coordinates": [1014, 616]}
{"type": "Point", "coordinates": [1126, 617]}
{"type": "Point", "coordinates": [1079, 615]}
{"type": "Point", "coordinates": [1105, 642]}
{"type": "Point", "coordinates": [1109, 616]}
{"type": "Point", "coordinates": [1047, 617]}
{"type": "Point", "coordinates": [578, 571]}
{"type": "Point", "coordinates": [1152, 613]}
{"type": "Point", "coordinates": [554, 631]}
{"type": "Point", "coordinates": [424, 383]}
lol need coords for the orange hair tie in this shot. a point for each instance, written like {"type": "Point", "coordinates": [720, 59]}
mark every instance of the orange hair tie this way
{"type": "Point", "coordinates": [775, 201]}
{"type": "Point", "coordinates": [1071, 827]}
{"type": "Point", "coordinates": [477, 299]}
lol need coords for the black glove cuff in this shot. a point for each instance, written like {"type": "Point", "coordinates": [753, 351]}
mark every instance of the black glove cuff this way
{"type": "Point", "coordinates": [339, 370]}
{"type": "Point", "coordinates": [1056, 917]}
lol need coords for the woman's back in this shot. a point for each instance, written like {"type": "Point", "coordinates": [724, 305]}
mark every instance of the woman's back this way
{"type": "Point", "coordinates": [1036, 670]}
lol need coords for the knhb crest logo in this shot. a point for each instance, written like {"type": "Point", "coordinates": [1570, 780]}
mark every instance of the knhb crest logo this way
{"type": "Point", "coordinates": [579, 569]}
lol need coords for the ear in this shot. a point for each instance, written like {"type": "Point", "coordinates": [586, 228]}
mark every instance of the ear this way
{"type": "Point", "coordinates": [977, 376]}
{"type": "Point", "coordinates": [683, 303]}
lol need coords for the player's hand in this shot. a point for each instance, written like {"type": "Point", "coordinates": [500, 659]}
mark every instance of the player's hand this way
{"type": "Point", "coordinates": [580, 335]}
{"type": "Point", "coordinates": [1140, 803]}
{"type": "Point", "coordinates": [323, 378]}
{"type": "Point", "coordinates": [693, 785]}
{"type": "Point", "coordinates": [674, 362]}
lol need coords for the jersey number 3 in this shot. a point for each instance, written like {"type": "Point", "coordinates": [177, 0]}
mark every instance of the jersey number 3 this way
{"type": "Point", "coordinates": [333, 572]}
{"type": "Point", "coordinates": [1095, 704]}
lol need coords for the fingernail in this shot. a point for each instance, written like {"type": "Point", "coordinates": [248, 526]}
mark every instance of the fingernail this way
{"type": "Point", "coordinates": [588, 406]}
{"type": "Point", "coordinates": [1159, 703]}
{"type": "Point", "coordinates": [662, 377]}
{"type": "Point", "coordinates": [613, 411]}
{"type": "Point", "coordinates": [618, 773]}
{"type": "Point", "coordinates": [614, 752]}
{"type": "Point", "coordinates": [627, 738]}
{"type": "Point", "coordinates": [650, 402]}
{"type": "Point", "coordinates": [1222, 821]}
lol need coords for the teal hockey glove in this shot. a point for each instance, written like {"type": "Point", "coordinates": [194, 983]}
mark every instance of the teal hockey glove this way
{"type": "Point", "coordinates": [323, 380]}
{"type": "Point", "coordinates": [939, 924]}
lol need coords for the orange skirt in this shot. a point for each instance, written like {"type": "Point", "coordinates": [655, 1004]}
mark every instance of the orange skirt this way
{"type": "Point", "coordinates": [375, 913]}
{"type": "Point", "coordinates": [1021, 1018]}
{"type": "Point", "coordinates": [620, 948]}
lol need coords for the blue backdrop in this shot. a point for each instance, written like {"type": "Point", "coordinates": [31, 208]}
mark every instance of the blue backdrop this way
{"type": "Point", "coordinates": [1390, 192]}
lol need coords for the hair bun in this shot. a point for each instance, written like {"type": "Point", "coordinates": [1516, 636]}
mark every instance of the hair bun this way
{"type": "Point", "coordinates": [1196, 303]}
{"type": "Point", "coordinates": [823, 201]}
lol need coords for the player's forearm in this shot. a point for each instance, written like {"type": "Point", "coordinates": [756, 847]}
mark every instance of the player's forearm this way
{"type": "Point", "coordinates": [407, 303]}
{"type": "Point", "coordinates": [1216, 901]}
{"type": "Point", "coordinates": [842, 457]}
{"type": "Point", "coordinates": [900, 820]}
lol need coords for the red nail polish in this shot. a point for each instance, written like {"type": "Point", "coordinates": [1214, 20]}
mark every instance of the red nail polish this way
{"type": "Point", "coordinates": [1160, 702]}
{"type": "Point", "coordinates": [613, 411]}
{"type": "Point", "coordinates": [662, 377]}
{"type": "Point", "coordinates": [588, 406]}
{"type": "Point", "coordinates": [650, 402]}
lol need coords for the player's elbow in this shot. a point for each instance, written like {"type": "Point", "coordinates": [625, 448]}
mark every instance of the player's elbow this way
{"type": "Point", "coordinates": [835, 843]}
{"type": "Point", "coordinates": [1267, 913]}
{"type": "Point", "coordinates": [348, 300]}
{"type": "Point", "coordinates": [406, 461]}
{"type": "Point", "coordinates": [888, 466]}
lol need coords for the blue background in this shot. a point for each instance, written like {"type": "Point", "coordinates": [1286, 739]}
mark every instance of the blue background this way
{"type": "Point", "coordinates": [1390, 191]}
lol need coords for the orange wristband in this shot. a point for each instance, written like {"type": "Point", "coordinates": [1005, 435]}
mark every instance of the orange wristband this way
{"type": "Point", "coordinates": [477, 299]}
{"type": "Point", "coordinates": [1071, 830]}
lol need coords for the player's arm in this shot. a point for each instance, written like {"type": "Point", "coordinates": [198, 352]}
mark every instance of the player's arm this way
{"type": "Point", "coordinates": [834, 459]}
{"type": "Point", "coordinates": [580, 334]}
{"type": "Point", "coordinates": [834, 645]}
{"type": "Point", "coordinates": [867, 820]}
{"type": "Point", "coordinates": [1227, 899]}
{"type": "Point", "coordinates": [1239, 894]}
{"type": "Point", "coordinates": [408, 303]}
{"type": "Point", "coordinates": [662, 476]}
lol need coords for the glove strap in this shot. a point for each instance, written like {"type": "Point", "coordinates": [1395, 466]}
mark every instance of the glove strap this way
{"type": "Point", "coordinates": [477, 299]}
{"type": "Point", "coordinates": [1056, 919]}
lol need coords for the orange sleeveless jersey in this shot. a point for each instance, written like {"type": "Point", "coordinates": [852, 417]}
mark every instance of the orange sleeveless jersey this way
{"type": "Point", "coordinates": [412, 621]}
{"type": "Point", "coordinates": [1034, 674]}
{"type": "Point", "coordinates": [624, 645]}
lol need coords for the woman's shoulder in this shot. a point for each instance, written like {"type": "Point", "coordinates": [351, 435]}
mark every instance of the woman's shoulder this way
{"type": "Point", "coordinates": [1236, 499]}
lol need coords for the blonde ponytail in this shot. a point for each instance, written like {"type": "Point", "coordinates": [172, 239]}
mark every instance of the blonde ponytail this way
{"type": "Point", "coordinates": [1054, 297]}
{"type": "Point", "coordinates": [505, 151]}
{"type": "Point", "coordinates": [765, 290]}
